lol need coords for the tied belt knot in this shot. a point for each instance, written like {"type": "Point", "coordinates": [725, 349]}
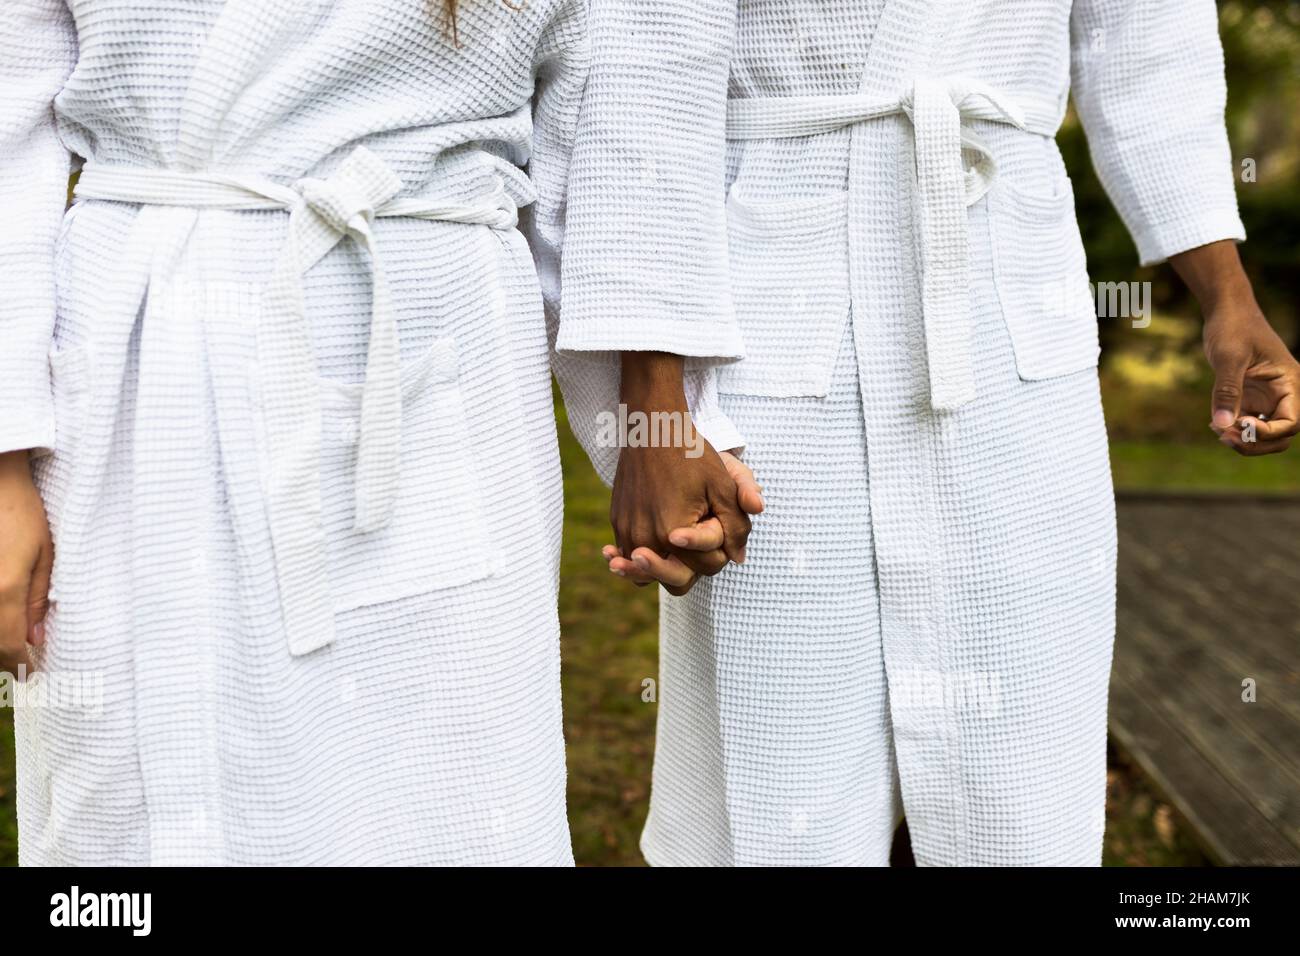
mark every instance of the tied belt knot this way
{"type": "Point", "coordinates": [944, 188]}
{"type": "Point", "coordinates": [322, 213]}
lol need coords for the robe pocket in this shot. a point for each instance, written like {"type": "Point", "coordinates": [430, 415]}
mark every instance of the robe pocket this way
{"type": "Point", "coordinates": [1041, 273]}
{"type": "Point", "coordinates": [436, 538]}
{"type": "Point", "coordinates": [790, 280]}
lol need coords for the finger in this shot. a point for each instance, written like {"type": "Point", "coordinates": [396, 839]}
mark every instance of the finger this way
{"type": "Point", "coordinates": [669, 571]}
{"type": "Point", "coordinates": [640, 534]}
{"type": "Point", "coordinates": [750, 498]}
{"type": "Point", "coordinates": [621, 542]}
{"type": "Point", "coordinates": [625, 569]}
{"type": "Point", "coordinates": [642, 579]}
{"type": "Point", "coordinates": [749, 494]}
{"type": "Point", "coordinates": [1229, 373]}
{"type": "Point", "coordinates": [1250, 431]}
{"type": "Point", "coordinates": [1254, 449]}
{"type": "Point", "coordinates": [620, 526]}
{"type": "Point", "coordinates": [610, 552]}
{"type": "Point", "coordinates": [1282, 422]}
{"type": "Point", "coordinates": [735, 523]}
{"type": "Point", "coordinates": [707, 563]}
{"type": "Point", "coordinates": [1238, 440]}
{"type": "Point", "coordinates": [1275, 429]}
{"type": "Point", "coordinates": [14, 652]}
{"type": "Point", "coordinates": [680, 591]}
{"type": "Point", "coordinates": [703, 536]}
{"type": "Point", "coordinates": [38, 594]}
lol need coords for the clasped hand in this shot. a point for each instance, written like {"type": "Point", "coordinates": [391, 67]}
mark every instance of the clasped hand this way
{"type": "Point", "coordinates": [679, 510]}
{"type": "Point", "coordinates": [676, 518]}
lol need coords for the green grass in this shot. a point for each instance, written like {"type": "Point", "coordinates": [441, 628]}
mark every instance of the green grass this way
{"type": "Point", "coordinates": [609, 646]}
{"type": "Point", "coordinates": [1207, 466]}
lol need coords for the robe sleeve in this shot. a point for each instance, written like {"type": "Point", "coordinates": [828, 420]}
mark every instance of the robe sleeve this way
{"type": "Point", "coordinates": [645, 257]}
{"type": "Point", "coordinates": [1148, 84]}
{"type": "Point", "coordinates": [628, 262]}
{"type": "Point", "coordinates": [38, 49]}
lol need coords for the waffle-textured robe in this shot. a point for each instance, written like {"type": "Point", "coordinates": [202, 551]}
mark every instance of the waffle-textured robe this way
{"type": "Point", "coordinates": [287, 364]}
{"type": "Point", "coordinates": [925, 619]}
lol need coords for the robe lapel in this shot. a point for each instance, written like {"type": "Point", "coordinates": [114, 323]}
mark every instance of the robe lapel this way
{"type": "Point", "coordinates": [240, 46]}
{"type": "Point", "coordinates": [901, 44]}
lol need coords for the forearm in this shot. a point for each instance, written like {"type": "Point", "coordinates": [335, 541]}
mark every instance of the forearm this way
{"type": "Point", "coordinates": [653, 381]}
{"type": "Point", "coordinates": [14, 464]}
{"type": "Point", "coordinates": [1214, 275]}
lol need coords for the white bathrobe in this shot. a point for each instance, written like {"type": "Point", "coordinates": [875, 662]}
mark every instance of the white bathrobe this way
{"type": "Point", "coordinates": [286, 364]}
{"type": "Point", "coordinates": [925, 620]}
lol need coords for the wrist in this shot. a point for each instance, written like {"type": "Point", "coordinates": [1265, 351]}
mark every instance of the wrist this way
{"type": "Point", "coordinates": [1229, 298]}
{"type": "Point", "coordinates": [1215, 276]}
{"type": "Point", "coordinates": [652, 380]}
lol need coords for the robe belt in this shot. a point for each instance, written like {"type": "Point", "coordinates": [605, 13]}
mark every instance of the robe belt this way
{"type": "Point", "coordinates": [944, 188]}
{"type": "Point", "coordinates": [322, 212]}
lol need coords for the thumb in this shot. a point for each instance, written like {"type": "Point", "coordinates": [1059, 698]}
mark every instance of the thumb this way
{"type": "Point", "coordinates": [749, 494]}
{"type": "Point", "coordinates": [1229, 375]}
{"type": "Point", "coordinates": [38, 596]}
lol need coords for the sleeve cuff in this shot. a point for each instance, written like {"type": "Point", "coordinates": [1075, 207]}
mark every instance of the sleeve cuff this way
{"type": "Point", "coordinates": [701, 386]}
{"type": "Point", "coordinates": [34, 434]}
{"type": "Point", "coordinates": [715, 343]}
{"type": "Point", "coordinates": [1157, 243]}
{"type": "Point", "coordinates": [719, 431]}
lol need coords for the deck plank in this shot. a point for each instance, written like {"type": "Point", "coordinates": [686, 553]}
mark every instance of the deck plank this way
{"type": "Point", "coordinates": [1209, 594]}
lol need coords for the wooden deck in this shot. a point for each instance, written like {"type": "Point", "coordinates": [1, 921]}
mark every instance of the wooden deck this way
{"type": "Point", "coordinates": [1209, 595]}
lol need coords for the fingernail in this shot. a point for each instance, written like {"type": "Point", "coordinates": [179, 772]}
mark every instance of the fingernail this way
{"type": "Point", "coordinates": [38, 634]}
{"type": "Point", "coordinates": [617, 571]}
{"type": "Point", "coordinates": [741, 557]}
{"type": "Point", "coordinates": [1223, 418]}
{"type": "Point", "coordinates": [640, 561]}
{"type": "Point", "coordinates": [679, 539]}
